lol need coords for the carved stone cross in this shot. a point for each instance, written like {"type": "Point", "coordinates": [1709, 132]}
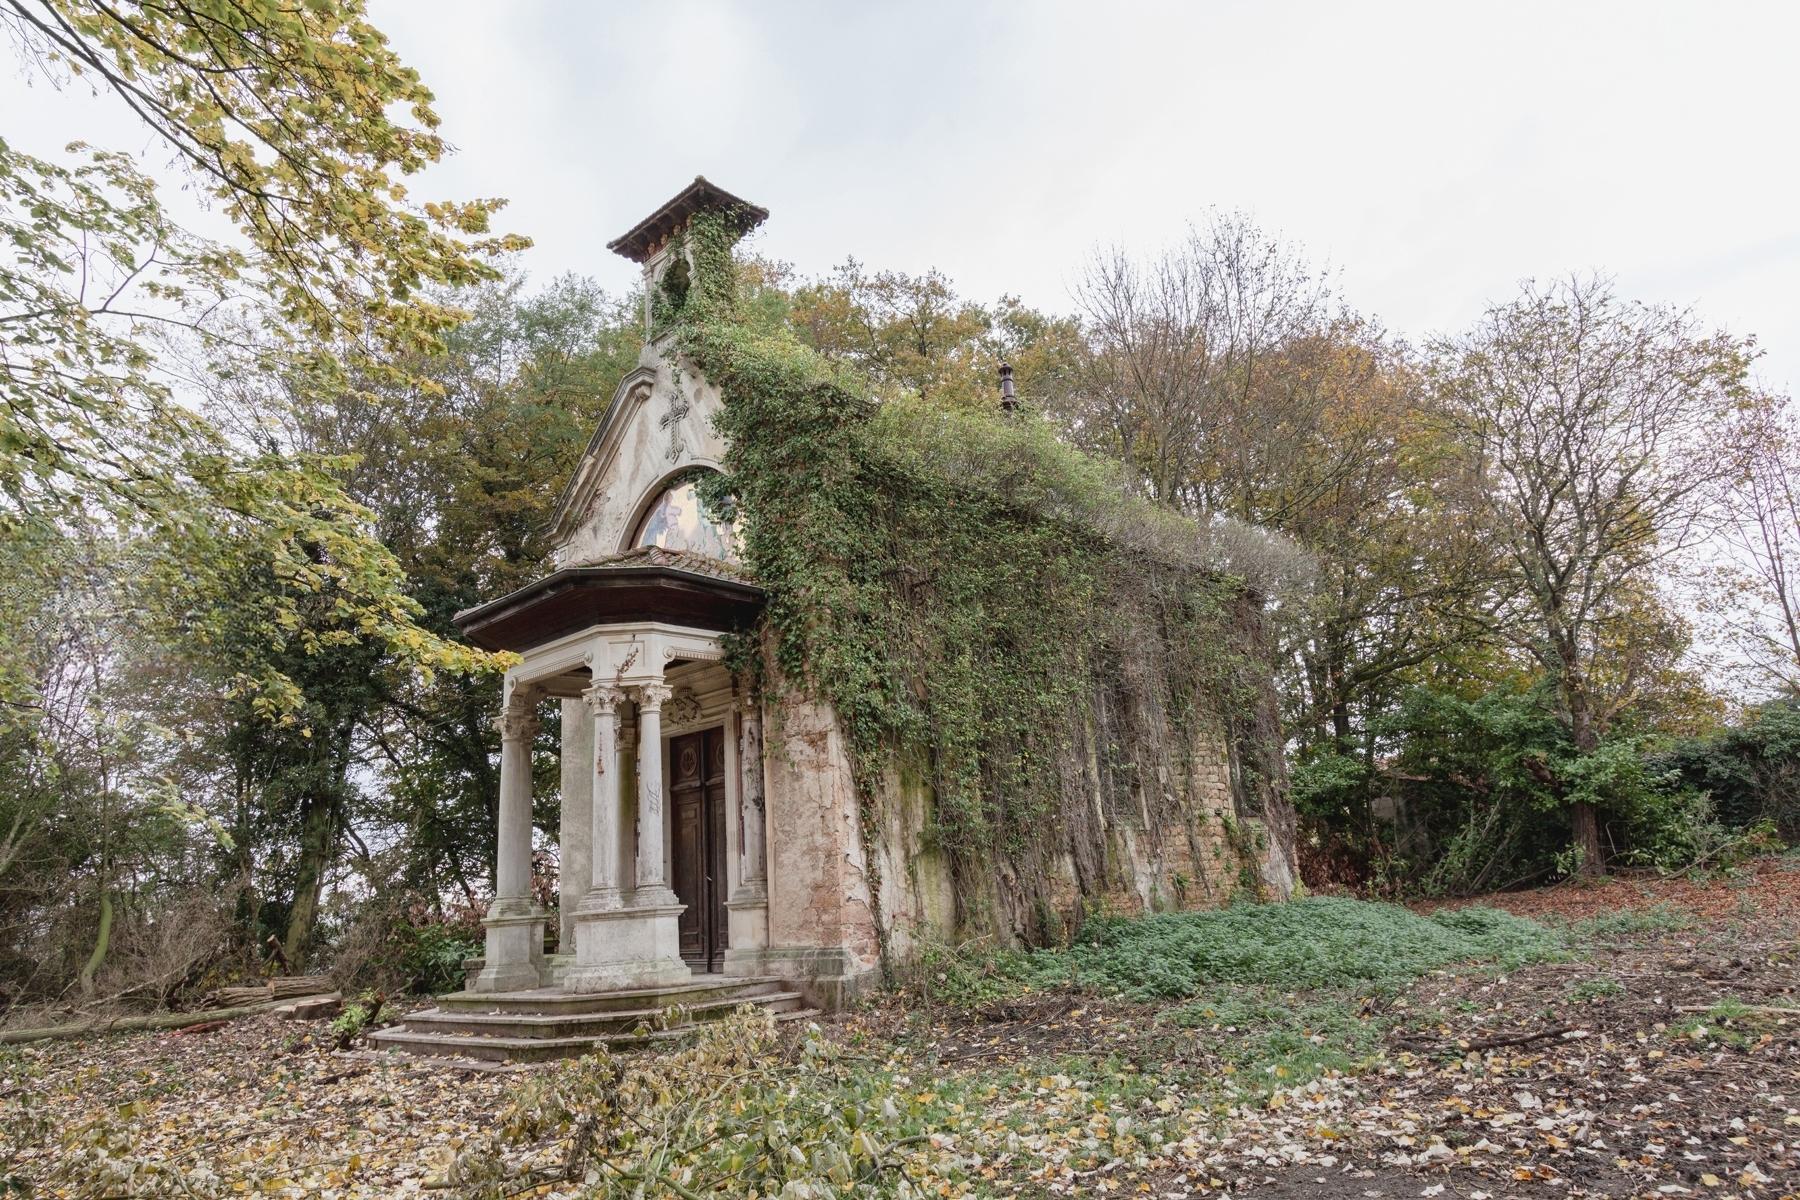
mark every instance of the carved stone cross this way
{"type": "Point", "coordinates": [671, 421]}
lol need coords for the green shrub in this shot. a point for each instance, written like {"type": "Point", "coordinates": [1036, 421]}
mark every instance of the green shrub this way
{"type": "Point", "coordinates": [1486, 786]}
{"type": "Point", "coordinates": [357, 1017]}
{"type": "Point", "coordinates": [431, 956]}
{"type": "Point", "coordinates": [1750, 771]}
{"type": "Point", "coordinates": [401, 943]}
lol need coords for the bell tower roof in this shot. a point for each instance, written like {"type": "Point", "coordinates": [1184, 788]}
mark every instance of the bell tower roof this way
{"type": "Point", "coordinates": [651, 234]}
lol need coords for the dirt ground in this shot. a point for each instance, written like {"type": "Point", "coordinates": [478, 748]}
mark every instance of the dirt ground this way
{"type": "Point", "coordinates": [1764, 889]}
{"type": "Point", "coordinates": [1660, 1059]}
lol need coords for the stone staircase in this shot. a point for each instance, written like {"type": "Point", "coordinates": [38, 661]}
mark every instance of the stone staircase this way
{"type": "Point", "coordinates": [545, 1023]}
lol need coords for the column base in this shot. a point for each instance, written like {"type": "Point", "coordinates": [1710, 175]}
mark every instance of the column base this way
{"type": "Point", "coordinates": [655, 895]}
{"type": "Point", "coordinates": [514, 961]}
{"type": "Point", "coordinates": [598, 900]}
{"type": "Point", "coordinates": [627, 948]}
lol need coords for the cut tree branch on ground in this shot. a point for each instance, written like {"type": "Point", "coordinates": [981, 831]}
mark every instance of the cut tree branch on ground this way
{"type": "Point", "coordinates": [175, 1021]}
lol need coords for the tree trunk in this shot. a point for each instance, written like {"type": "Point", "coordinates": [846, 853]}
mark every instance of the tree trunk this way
{"type": "Point", "coordinates": [1584, 817]}
{"type": "Point", "coordinates": [318, 849]}
{"type": "Point", "coordinates": [102, 940]}
{"type": "Point", "coordinates": [1587, 839]}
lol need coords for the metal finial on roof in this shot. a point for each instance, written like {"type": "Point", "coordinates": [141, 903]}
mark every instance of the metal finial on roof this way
{"type": "Point", "coordinates": [1008, 401]}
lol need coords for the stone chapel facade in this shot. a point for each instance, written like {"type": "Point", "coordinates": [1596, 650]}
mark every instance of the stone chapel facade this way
{"type": "Point", "coordinates": [706, 829]}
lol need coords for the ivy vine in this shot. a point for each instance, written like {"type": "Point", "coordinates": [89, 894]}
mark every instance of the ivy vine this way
{"type": "Point", "coordinates": [984, 607]}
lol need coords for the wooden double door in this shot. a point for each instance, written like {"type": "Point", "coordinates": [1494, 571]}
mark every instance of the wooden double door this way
{"type": "Point", "coordinates": [697, 797]}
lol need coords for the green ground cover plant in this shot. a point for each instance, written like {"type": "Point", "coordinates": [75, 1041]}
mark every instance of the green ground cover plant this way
{"type": "Point", "coordinates": [1658, 918]}
{"type": "Point", "coordinates": [1301, 945]}
{"type": "Point", "coordinates": [1276, 1039]}
{"type": "Point", "coordinates": [1314, 942]}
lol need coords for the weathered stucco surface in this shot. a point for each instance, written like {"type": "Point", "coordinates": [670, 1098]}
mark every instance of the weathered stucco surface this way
{"type": "Point", "coordinates": [1171, 847]}
{"type": "Point", "coordinates": [658, 425]}
{"type": "Point", "coordinates": [1170, 838]}
{"type": "Point", "coordinates": [818, 882]}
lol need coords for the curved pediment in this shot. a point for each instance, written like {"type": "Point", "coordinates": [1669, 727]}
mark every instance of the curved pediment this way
{"type": "Point", "coordinates": [658, 424]}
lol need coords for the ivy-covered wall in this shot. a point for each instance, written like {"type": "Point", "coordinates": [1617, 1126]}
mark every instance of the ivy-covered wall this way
{"type": "Point", "coordinates": [1051, 695]}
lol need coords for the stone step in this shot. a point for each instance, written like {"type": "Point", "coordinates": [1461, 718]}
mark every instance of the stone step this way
{"type": "Point", "coordinates": [587, 1024]}
{"type": "Point", "coordinates": [551, 1000]}
{"type": "Point", "coordinates": [456, 1049]}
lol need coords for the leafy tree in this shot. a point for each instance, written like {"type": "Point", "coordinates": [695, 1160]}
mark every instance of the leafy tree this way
{"type": "Point", "coordinates": [1597, 425]}
{"type": "Point", "coordinates": [484, 455]}
{"type": "Point", "coordinates": [1750, 770]}
{"type": "Point", "coordinates": [300, 124]}
{"type": "Point", "coordinates": [1755, 593]}
{"type": "Point", "coordinates": [904, 332]}
{"type": "Point", "coordinates": [459, 472]}
{"type": "Point", "coordinates": [1178, 347]}
{"type": "Point", "coordinates": [291, 118]}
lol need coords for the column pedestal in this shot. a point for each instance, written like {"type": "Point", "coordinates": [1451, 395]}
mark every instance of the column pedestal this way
{"type": "Point", "coordinates": [514, 960]}
{"type": "Point", "coordinates": [626, 948]}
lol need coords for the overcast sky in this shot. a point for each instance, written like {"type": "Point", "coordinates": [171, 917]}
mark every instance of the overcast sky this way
{"type": "Point", "coordinates": [1433, 154]}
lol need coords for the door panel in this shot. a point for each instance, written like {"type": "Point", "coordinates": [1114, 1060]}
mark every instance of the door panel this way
{"type": "Point", "coordinates": [697, 803]}
{"type": "Point", "coordinates": [687, 793]}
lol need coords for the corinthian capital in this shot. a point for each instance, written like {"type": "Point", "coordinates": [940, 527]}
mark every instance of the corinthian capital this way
{"type": "Point", "coordinates": [515, 724]}
{"type": "Point", "coordinates": [651, 696]}
{"type": "Point", "coordinates": [603, 700]}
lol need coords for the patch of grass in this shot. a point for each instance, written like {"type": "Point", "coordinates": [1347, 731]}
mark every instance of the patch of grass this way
{"type": "Point", "coordinates": [1321, 941]}
{"type": "Point", "coordinates": [1731, 1022]}
{"type": "Point", "coordinates": [1600, 987]}
{"type": "Point", "coordinates": [1273, 1040]}
{"type": "Point", "coordinates": [1658, 918]}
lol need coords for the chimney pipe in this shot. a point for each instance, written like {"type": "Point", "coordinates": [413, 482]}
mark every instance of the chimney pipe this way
{"type": "Point", "coordinates": [1008, 401]}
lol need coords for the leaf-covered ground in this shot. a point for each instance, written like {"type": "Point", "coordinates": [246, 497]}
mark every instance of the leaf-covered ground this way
{"type": "Point", "coordinates": [1651, 1054]}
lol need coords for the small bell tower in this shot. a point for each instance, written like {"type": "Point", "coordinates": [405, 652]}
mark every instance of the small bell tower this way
{"type": "Point", "coordinates": [653, 242]}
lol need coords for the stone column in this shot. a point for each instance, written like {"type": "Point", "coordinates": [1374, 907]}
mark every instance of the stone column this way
{"type": "Point", "coordinates": [515, 925]}
{"type": "Point", "coordinates": [748, 907]}
{"type": "Point", "coordinates": [652, 883]}
{"type": "Point", "coordinates": [602, 707]}
{"type": "Point", "coordinates": [512, 855]}
{"type": "Point", "coordinates": [750, 768]}
{"type": "Point", "coordinates": [576, 849]}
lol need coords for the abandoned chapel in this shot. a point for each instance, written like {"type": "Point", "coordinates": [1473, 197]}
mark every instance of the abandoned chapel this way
{"type": "Point", "coordinates": [736, 801]}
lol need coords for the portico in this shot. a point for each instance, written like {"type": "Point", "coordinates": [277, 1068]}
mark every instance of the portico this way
{"type": "Point", "coordinates": [629, 691]}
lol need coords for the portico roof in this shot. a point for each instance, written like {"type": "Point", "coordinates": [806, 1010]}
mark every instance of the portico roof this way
{"type": "Point", "coordinates": [646, 584]}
